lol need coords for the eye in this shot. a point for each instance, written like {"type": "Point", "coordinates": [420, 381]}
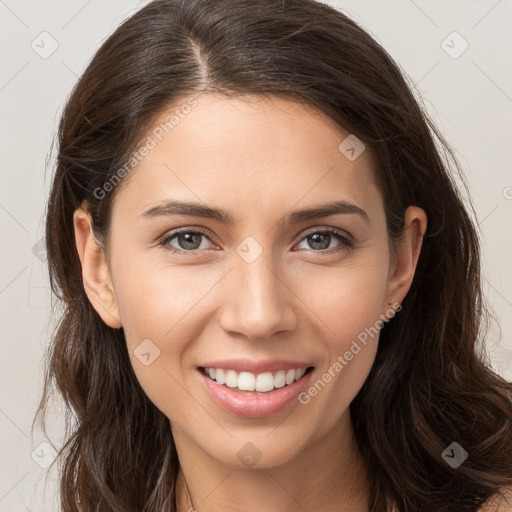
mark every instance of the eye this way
{"type": "Point", "coordinates": [320, 241]}
{"type": "Point", "coordinates": [187, 241]}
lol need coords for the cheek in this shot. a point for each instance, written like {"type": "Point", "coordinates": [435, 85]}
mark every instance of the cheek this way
{"type": "Point", "coordinates": [162, 314]}
{"type": "Point", "coordinates": [349, 305]}
{"type": "Point", "coordinates": [156, 299]}
{"type": "Point", "coordinates": [346, 299]}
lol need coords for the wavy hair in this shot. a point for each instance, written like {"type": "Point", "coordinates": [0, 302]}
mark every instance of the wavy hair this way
{"type": "Point", "coordinates": [430, 384]}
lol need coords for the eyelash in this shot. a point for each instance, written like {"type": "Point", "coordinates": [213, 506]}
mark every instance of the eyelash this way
{"type": "Point", "coordinates": [346, 243]}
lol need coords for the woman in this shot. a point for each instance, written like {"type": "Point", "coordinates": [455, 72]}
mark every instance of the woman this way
{"type": "Point", "coordinates": [271, 285]}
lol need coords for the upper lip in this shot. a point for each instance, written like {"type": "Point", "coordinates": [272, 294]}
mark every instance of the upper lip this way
{"type": "Point", "coordinates": [256, 367]}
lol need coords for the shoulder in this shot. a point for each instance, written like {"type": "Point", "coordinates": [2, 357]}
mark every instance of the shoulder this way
{"type": "Point", "coordinates": [499, 503]}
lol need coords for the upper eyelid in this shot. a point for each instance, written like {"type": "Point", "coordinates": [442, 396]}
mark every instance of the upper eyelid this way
{"type": "Point", "coordinates": [173, 233]}
{"type": "Point", "coordinates": [339, 231]}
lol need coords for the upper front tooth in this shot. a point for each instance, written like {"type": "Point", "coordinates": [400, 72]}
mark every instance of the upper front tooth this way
{"type": "Point", "coordinates": [246, 381]}
{"type": "Point", "coordinates": [264, 382]}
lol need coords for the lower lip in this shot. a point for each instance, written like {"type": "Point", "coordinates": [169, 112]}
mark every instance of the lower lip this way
{"type": "Point", "coordinates": [252, 405]}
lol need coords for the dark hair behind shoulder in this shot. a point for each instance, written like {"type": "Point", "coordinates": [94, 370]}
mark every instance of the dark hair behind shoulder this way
{"type": "Point", "coordinates": [428, 387]}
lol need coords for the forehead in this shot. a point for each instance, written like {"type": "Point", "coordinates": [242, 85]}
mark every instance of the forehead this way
{"type": "Point", "coordinates": [252, 153]}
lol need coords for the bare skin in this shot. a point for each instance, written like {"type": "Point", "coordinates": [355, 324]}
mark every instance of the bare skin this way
{"type": "Point", "coordinates": [258, 159]}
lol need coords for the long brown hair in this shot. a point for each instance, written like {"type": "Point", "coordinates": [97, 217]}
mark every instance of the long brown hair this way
{"type": "Point", "coordinates": [429, 385]}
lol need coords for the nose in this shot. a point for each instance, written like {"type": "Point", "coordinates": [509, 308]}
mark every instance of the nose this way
{"type": "Point", "coordinates": [258, 302]}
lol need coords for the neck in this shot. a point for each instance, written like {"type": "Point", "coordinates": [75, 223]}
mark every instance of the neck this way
{"type": "Point", "coordinates": [316, 480]}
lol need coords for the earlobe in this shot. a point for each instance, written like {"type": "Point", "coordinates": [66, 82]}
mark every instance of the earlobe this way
{"type": "Point", "coordinates": [95, 273]}
{"type": "Point", "coordinates": [408, 251]}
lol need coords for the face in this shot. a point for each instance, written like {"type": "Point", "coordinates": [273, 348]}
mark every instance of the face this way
{"type": "Point", "coordinates": [246, 288]}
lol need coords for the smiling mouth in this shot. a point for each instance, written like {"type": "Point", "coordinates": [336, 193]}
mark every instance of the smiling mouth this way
{"type": "Point", "coordinates": [248, 382]}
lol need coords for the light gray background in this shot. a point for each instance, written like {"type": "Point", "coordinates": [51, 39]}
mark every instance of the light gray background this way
{"type": "Point", "coordinates": [470, 98]}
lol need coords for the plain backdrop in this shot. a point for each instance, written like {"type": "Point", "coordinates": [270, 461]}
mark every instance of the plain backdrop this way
{"type": "Point", "coordinates": [456, 52]}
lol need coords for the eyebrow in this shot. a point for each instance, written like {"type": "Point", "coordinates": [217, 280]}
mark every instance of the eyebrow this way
{"type": "Point", "coordinates": [175, 207]}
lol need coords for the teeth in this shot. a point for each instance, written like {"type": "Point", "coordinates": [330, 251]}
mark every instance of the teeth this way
{"type": "Point", "coordinates": [231, 379]}
{"type": "Point", "coordinates": [280, 379]}
{"type": "Point", "coordinates": [264, 382]}
{"type": "Point", "coordinates": [247, 381]}
{"type": "Point", "coordinates": [220, 376]}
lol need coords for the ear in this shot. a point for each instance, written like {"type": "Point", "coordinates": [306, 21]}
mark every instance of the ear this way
{"type": "Point", "coordinates": [408, 250]}
{"type": "Point", "coordinates": [95, 272]}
